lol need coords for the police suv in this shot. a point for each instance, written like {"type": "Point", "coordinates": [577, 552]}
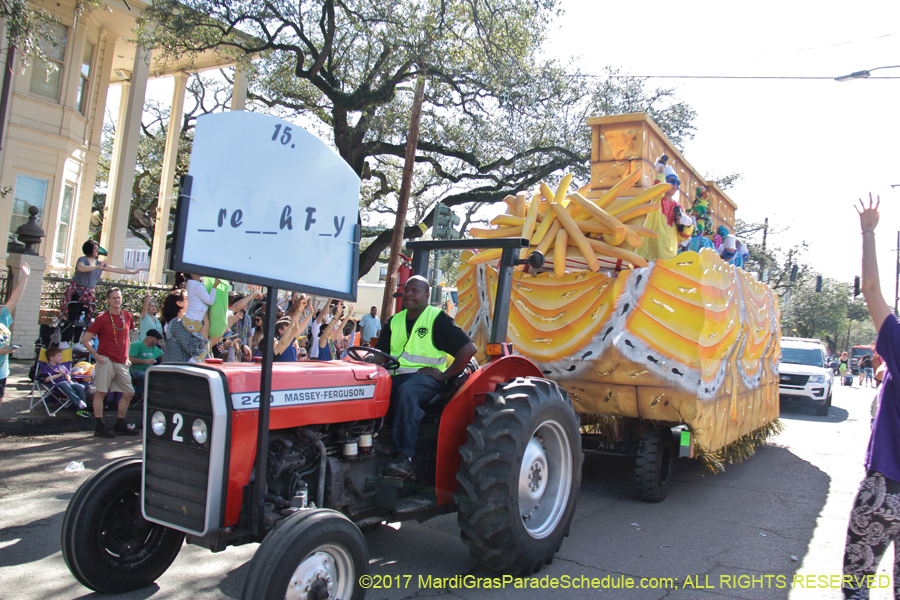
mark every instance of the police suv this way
{"type": "Point", "coordinates": [803, 374]}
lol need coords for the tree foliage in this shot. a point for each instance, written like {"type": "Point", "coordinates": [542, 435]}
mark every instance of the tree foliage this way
{"type": "Point", "coordinates": [772, 264]}
{"type": "Point", "coordinates": [812, 314]}
{"type": "Point", "coordinates": [497, 118]}
{"type": "Point", "coordinates": [826, 315]}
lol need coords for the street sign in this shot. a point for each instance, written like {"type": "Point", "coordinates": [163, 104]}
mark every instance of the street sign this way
{"type": "Point", "coordinates": [270, 204]}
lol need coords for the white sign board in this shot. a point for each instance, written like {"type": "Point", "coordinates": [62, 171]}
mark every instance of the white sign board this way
{"type": "Point", "coordinates": [268, 204]}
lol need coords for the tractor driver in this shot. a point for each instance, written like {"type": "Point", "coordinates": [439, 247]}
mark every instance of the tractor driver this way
{"type": "Point", "coordinates": [421, 337]}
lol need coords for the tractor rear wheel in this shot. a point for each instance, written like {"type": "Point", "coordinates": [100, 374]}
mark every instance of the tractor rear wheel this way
{"type": "Point", "coordinates": [107, 544]}
{"type": "Point", "coordinates": [654, 465]}
{"type": "Point", "coordinates": [520, 473]}
{"type": "Point", "coordinates": [317, 553]}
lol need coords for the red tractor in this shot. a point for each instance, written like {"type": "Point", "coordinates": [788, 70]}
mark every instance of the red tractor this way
{"type": "Point", "coordinates": [501, 448]}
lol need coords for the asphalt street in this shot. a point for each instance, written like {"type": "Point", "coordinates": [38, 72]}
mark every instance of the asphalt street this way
{"type": "Point", "coordinates": [781, 513]}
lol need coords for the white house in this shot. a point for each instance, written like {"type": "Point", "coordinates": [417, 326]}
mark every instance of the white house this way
{"type": "Point", "coordinates": [50, 132]}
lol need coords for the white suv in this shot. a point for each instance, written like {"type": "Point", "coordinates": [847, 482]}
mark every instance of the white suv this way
{"type": "Point", "coordinates": [803, 376]}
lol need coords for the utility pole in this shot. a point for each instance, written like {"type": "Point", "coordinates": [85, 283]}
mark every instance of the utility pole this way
{"type": "Point", "coordinates": [765, 265]}
{"type": "Point", "coordinates": [387, 304]}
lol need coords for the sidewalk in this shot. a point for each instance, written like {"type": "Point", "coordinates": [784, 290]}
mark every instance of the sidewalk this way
{"type": "Point", "coordinates": [17, 419]}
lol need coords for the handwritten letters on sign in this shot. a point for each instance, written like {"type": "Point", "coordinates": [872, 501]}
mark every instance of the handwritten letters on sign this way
{"type": "Point", "coordinates": [270, 201]}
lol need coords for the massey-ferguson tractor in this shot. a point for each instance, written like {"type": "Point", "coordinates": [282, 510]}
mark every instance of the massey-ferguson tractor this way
{"type": "Point", "coordinates": [501, 447]}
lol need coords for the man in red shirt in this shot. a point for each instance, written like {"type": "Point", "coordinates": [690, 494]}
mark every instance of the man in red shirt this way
{"type": "Point", "coordinates": [111, 372]}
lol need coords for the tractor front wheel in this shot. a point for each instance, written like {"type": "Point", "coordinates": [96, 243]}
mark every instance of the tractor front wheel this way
{"type": "Point", "coordinates": [107, 544]}
{"type": "Point", "coordinates": [317, 553]}
{"type": "Point", "coordinates": [519, 476]}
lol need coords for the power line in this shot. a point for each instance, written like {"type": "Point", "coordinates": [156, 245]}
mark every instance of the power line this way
{"type": "Point", "coordinates": [783, 52]}
{"type": "Point", "coordinates": [715, 77]}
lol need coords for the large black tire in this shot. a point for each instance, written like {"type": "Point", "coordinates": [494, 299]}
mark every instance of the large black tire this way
{"type": "Point", "coordinates": [519, 476]}
{"type": "Point", "coordinates": [654, 465]}
{"type": "Point", "coordinates": [822, 411]}
{"type": "Point", "coordinates": [107, 544]}
{"type": "Point", "coordinates": [317, 550]}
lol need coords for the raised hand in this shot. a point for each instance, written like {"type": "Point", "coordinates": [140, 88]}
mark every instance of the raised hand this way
{"type": "Point", "coordinates": [868, 216]}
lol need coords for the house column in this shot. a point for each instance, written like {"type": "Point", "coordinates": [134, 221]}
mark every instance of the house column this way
{"type": "Point", "coordinates": [117, 211]}
{"type": "Point", "coordinates": [239, 91]}
{"type": "Point", "coordinates": [106, 46]}
{"type": "Point", "coordinates": [167, 176]}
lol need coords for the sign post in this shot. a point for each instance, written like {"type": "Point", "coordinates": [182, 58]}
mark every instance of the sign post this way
{"type": "Point", "coordinates": [269, 204]}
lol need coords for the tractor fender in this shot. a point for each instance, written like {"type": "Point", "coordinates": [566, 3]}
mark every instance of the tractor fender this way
{"type": "Point", "coordinates": [460, 413]}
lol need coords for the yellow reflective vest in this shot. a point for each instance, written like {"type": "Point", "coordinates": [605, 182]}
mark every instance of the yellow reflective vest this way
{"type": "Point", "coordinates": [418, 350]}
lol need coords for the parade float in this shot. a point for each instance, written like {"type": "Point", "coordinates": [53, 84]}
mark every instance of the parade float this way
{"type": "Point", "coordinates": [665, 351]}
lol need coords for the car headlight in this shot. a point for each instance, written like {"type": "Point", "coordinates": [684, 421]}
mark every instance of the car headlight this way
{"type": "Point", "coordinates": [817, 379]}
{"type": "Point", "coordinates": [158, 423]}
{"type": "Point", "coordinates": [199, 431]}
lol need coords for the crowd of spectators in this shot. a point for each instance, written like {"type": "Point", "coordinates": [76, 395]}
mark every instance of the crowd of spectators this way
{"type": "Point", "coordinates": [307, 328]}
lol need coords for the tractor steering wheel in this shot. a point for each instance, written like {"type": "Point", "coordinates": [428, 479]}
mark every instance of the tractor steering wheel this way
{"type": "Point", "coordinates": [390, 363]}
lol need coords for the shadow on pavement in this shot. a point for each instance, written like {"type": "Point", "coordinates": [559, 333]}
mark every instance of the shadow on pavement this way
{"type": "Point", "coordinates": [147, 592]}
{"type": "Point", "coordinates": [750, 520]}
{"type": "Point", "coordinates": [798, 412]}
{"type": "Point", "coordinates": [22, 550]}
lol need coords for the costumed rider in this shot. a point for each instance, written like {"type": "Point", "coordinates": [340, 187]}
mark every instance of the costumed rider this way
{"type": "Point", "coordinates": [729, 252]}
{"type": "Point", "coordinates": [721, 233]}
{"type": "Point", "coordinates": [420, 337]}
{"type": "Point", "coordinates": [692, 241]}
{"type": "Point", "coordinates": [744, 251]}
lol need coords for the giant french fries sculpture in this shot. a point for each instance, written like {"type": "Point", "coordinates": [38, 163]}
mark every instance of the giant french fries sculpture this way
{"type": "Point", "coordinates": [687, 340]}
{"type": "Point", "coordinates": [572, 226]}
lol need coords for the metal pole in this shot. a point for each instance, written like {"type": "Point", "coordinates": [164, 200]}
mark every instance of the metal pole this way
{"type": "Point", "coordinates": [260, 487]}
{"type": "Point", "coordinates": [499, 325]}
{"type": "Point", "coordinates": [387, 303]}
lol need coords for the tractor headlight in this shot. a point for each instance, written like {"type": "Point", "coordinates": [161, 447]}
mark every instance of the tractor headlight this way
{"type": "Point", "coordinates": [158, 423]}
{"type": "Point", "coordinates": [198, 430]}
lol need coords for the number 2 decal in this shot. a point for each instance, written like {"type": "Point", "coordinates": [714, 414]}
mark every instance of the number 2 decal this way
{"type": "Point", "coordinates": [179, 421]}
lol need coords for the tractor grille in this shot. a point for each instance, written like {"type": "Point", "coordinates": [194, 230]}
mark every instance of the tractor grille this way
{"type": "Point", "coordinates": [176, 467]}
{"type": "Point", "coordinates": [793, 380]}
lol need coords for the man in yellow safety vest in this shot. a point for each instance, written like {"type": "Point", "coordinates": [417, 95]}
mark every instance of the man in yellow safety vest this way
{"type": "Point", "coordinates": [420, 337]}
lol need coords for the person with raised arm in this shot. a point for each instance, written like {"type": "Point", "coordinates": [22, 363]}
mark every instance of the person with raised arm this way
{"type": "Point", "coordinates": [875, 516]}
{"type": "Point", "coordinates": [6, 347]}
{"type": "Point", "coordinates": [88, 270]}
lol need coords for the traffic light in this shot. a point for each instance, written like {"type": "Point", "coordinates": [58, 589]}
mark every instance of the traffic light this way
{"type": "Point", "coordinates": [454, 223]}
{"type": "Point", "coordinates": [818, 283]}
{"type": "Point", "coordinates": [444, 221]}
{"type": "Point", "coordinates": [794, 271]}
{"type": "Point", "coordinates": [440, 229]}
{"type": "Point", "coordinates": [856, 286]}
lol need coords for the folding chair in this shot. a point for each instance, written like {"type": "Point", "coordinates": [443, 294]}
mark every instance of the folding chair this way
{"type": "Point", "coordinates": [47, 391]}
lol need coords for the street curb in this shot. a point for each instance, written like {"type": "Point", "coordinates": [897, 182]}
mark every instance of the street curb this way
{"type": "Point", "coordinates": [54, 425]}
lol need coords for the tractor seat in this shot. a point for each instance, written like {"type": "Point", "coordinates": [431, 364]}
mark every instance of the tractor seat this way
{"type": "Point", "coordinates": [437, 403]}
